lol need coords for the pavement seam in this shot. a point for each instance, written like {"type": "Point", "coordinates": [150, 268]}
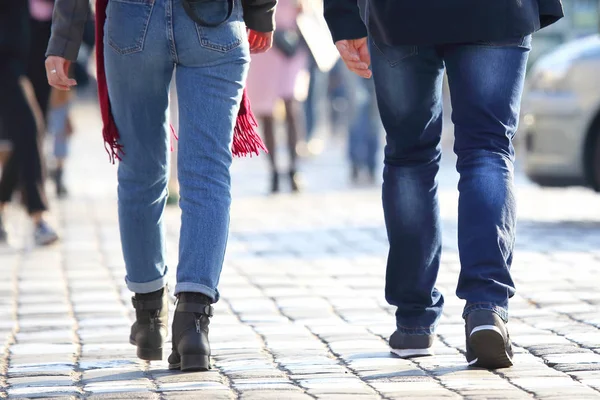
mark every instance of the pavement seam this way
{"type": "Point", "coordinates": [77, 374]}
{"type": "Point", "coordinates": [11, 339]}
{"type": "Point", "coordinates": [495, 372]}
{"type": "Point", "coordinates": [412, 361]}
{"type": "Point", "coordinates": [557, 333]}
{"type": "Point", "coordinates": [146, 365]}
{"type": "Point", "coordinates": [265, 349]}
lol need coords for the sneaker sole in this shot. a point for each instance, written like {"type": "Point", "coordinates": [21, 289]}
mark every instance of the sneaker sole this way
{"type": "Point", "coordinates": [488, 345]}
{"type": "Point", "coordinates": [46, 241]}
{"type": "Point", "coordinates": [412, 353]}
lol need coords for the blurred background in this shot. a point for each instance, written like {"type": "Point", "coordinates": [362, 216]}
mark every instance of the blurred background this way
{"type": "Point", "coordinates": [315, 116]}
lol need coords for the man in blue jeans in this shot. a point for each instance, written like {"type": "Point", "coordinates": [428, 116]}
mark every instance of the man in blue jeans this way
{"type": "Point", "coordinates": [483, 46]}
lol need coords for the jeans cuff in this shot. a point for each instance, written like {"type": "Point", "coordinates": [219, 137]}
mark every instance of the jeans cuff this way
{"type": "Point", "coordinates": [197, 288]}
{"type": "Point", "coordinates": [501, 311]}
{"type": "Point", "coordinates": [147, 287]}
{"type": "Point", "coordinates": [429, 331]}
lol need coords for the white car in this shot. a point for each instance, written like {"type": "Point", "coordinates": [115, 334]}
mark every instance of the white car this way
{"type": "Point", "coordinates": [560, 122]}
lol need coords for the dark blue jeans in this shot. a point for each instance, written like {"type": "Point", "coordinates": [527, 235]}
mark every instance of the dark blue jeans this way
{"type": "Point", "coordinates": [486, 82]}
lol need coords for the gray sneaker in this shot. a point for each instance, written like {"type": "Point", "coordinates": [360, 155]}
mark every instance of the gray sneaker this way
{"type": "Point", "coordinates": [44, 235]}
{"type": "Point", "coordinates": [409, 346]}
{"type": "Point", "coordinates": [488, 342]}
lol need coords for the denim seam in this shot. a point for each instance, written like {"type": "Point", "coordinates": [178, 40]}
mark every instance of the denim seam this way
{"type": "Point", "coordinates": [171, 32]}
{"type": "Point", "coordinates": [198, 288]}
{"type": "Point", "coordinates": [395, 63]}
{"type": "Point", "coordinates": [152, 285]}
{"type": "Point", "coordinates": [205, 42]}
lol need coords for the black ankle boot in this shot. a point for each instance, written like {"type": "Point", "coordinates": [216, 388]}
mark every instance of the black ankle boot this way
{"type": "Point", "coordinates": [191, 349]}
{"type": "Point", "coordinates": [149, 331]}
{"type": "Point", "coordinates": [295, 181]}
{"type": "Point", "coordinates": [274, 182]}
{"type": "Point", "coordinates": [61, 189]}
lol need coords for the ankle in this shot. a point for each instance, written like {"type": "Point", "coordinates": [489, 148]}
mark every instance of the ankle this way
{"type": "Point", "coordinates": [152, 295]}
{"type": "Point", "coordinates": [193, 297]}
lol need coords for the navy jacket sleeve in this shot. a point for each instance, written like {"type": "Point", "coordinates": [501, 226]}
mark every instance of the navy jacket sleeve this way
{"type": "Point", "coordinates": [259, 15]}
{"type": "Point", "coordinates": [343, 19]}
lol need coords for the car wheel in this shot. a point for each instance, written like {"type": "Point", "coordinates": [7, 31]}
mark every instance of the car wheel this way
{"type": "Point", "coordinates": [595, 164]}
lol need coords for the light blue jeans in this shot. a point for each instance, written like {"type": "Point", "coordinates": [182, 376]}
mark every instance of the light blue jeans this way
{"type": "Point", "coordinates": [57, 127]}
{"type": "Point", "coordinates": [145, 40]}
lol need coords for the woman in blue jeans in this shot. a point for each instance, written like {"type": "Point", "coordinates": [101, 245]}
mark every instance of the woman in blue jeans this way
{"type": "Point", "coordinates": [209, 46]}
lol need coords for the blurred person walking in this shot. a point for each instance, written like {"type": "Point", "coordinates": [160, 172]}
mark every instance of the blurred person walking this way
{"type": "Point", "coordinates": [364, 133]}
{"type": "Point", "coordinates": [139, 45]}
{"type": "Point", "coordinates": [484, 48]}
{"type": "Point", "coordinates": [21, 123]}
{"type": "Point", "coordinates": [54, 105]}
{"type": "Point", "coordinates": [274, 76]}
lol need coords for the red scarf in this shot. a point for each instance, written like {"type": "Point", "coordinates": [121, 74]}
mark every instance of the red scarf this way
{"type": "Point", "coordinates": [246, 140]}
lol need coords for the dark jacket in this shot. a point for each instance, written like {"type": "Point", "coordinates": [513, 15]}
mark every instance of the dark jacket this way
{"type": "Point", "coordinates": [14, 36]}
{"type": "Point", "coordinates": [429, 22]}
{"type": "Point", "coordinates": [70, 16]}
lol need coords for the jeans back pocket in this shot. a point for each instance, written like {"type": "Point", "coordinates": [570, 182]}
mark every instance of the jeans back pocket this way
{"type": "Point", "coordinates": [229, 30]}
{"type": "Point", "coordinates": [127, 23]}
{"type": "Point", "coordinates": [394, 54]}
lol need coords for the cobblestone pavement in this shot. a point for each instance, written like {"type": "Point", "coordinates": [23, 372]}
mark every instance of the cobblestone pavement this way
{"type": "Point", "coordinates": [302, 313]}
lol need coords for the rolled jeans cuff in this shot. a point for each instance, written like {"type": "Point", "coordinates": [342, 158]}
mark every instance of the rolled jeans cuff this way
{"type": "Point", "coordinates": [197, 288]}
{"type": "Point", "coordinates": [147, 287]}
{"type": "Point", "coordinates": [501, 311]}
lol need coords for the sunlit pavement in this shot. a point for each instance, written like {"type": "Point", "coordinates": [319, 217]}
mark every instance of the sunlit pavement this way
{"type": "Point", "coordinates": [302, 313]}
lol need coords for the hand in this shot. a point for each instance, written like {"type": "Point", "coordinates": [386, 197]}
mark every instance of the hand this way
{"type": "Point", "coordinates": [57, 71]}
{"type": "Point", "coordinates": [355, 54]}
{"type": "Point", "coordinates": [260, 42]}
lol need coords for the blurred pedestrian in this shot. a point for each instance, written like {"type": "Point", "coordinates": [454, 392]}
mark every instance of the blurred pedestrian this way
{"type": "Point", "coordinates": [61, 130]}
{"type": "Point", "coordinates": [274, 76]}
{"type": "Point", "coordinates": [484, 48]}
{"type": "Point", "coordinates": [40, 23]}
{"type": "Point", "coordinates": [20, 122]}
{"type": "Point", "coordinates": [207, 44]}
{"type": "Point", "coordinates": [364, 133]}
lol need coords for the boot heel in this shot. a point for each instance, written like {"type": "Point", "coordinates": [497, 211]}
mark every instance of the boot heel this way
{"type": "Point", "coordinates": [150, 354]}
{"type": "Point", "coordinates": [195, 362]}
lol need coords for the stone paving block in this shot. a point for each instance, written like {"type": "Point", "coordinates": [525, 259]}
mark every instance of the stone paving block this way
{"type": "Point", "coordinates": [192, 386]}
{"type": "Point", "coordinates": [198, 395]}
{"type": "Point", "coordinates": [429, 389]}
{"type": "Point", "coordinates": [47, 359]}
{"type": "Point", "coordinates": [345, 385]}
{"type": "Point", "coordinates": [39, 369]}
{"type": "Point", "coordinates": [40, 380]}
{"type": "Point", "coordinates": [504, 394]}
{"type": "Point", "coordinates": [43, 392]}
{"type": "Point", "coordinates": [273, 395]}
{"type": "Point", "coordinates": [123, 396]}
{"type": "Point", "coordinates": [93, 376]}
{"type": "Point", "coordinates": [54, 336]}
{"type": "Point", "coordinates": [573, 358]}
{"type": "Point", "coordinates": [119, 386]}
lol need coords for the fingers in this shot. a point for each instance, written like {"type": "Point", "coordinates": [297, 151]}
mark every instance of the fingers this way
{"type": "Point", "coordinates": [262, 42]}
{"type": "Point", "coordinates": [252, 39]}
{"type": "Point", "coordinates": [57, 69]}
{"type": "Point", "coordinates": [355, 60]}
{"type": "Point", "coordinates": [363, 52]}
